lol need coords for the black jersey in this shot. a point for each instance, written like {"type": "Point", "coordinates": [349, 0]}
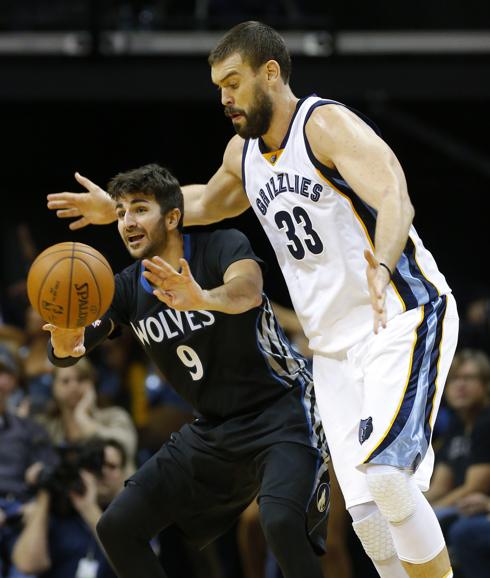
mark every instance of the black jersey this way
{"type": "Point", "coordinates": [223, 365]}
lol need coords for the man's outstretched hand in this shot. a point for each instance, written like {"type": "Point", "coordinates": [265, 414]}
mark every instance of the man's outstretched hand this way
{"type": "Point", "coordinates": [94, 207]}
{"type": "Point", "coordinates": [66, 342]}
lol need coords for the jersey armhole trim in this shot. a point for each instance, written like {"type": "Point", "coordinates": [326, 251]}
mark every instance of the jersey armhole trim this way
{"type": "Point", "coordinates": [327, 171]}
{"type": "Point", "coordinates": [244, 154]}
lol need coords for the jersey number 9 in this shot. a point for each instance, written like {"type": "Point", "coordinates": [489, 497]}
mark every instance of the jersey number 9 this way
{"type": "Point", "coordinates": [191, 360]}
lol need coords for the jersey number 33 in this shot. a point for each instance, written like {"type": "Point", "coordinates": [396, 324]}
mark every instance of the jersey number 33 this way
{"type": "Point", "coordinates": [299, 231]}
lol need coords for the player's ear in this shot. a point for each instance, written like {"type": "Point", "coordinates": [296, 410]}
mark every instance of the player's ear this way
{"type": "Point", "coordinates": [172, 219]}
{"type": "Point", "coordinates": [272, 70]}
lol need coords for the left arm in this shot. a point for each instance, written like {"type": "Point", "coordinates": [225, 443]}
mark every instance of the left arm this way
{"type": "Point", "coordinates": [339, 139]}
{"type": "Point", "coordinates": [241, 289]}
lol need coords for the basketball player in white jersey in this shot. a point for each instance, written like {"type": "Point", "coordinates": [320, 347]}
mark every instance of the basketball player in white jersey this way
{"type": "Point", "coordinates": [332, 197]}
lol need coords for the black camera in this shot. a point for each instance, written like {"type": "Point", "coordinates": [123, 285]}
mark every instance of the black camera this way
{"type": "Point", "coordinates": [63, 478]}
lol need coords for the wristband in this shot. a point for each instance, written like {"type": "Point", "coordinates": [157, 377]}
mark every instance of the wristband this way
{"type": "Point", "coordinates": [387, 268]}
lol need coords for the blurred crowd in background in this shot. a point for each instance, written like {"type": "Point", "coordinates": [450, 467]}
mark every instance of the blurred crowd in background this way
{"type": "Point", "coordinates": [70, 436]}
{"type": "Point", "coordinates": [220, 14]}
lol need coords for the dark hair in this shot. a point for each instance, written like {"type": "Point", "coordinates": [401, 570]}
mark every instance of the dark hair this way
{"type": "Point", "coordinates": [257, 43]}
{"type": "Point", "coordinates": [153, 180]}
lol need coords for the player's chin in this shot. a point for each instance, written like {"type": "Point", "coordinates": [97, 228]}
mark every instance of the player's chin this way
{"type": "Point", "coordinates": [138, 252]}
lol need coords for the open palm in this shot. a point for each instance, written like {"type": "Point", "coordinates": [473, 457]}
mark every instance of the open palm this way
{"type": "Point", "coordinates": [178, 290]}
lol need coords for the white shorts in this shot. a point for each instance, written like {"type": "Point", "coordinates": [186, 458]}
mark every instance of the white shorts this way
{"type": "Point", "coordinates": [379, 401]}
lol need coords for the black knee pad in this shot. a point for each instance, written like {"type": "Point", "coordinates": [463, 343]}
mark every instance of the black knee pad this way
{"type": "Point", "coordinates": [281, 521]}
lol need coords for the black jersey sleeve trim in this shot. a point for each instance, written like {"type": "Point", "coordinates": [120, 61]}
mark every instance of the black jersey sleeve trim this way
{"type": "Point", "coordinates": [244, 154]}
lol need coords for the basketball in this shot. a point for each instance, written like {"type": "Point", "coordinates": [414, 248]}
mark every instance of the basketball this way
{"type": "Point", "coordinates": [70, 285]}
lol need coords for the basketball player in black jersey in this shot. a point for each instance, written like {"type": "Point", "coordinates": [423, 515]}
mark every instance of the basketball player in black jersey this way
{"type": "Point", "coordinates": [195, 303]}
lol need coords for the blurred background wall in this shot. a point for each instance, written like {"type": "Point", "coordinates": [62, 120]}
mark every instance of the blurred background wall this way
{"type": "Point", "coordinates": [104, 86]}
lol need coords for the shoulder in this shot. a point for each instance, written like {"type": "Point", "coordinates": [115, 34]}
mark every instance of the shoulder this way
{"type": "Point", "coordinates": [332, 121]}
{"type": "Point", "coordinates": [36, 431]}
{"type": "Point", "coordinates": [227, 237]}
{"type": "Point", "coordinates": [108, 415]}
{"type": "Point", "coordinates": [129, 273]}
{"type": "Point", "coordinates": [125, 280]}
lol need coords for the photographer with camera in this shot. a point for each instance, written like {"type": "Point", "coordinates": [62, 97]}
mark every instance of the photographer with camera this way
{"type": "Point", "coordinates": [24, 450]}
{"type": "Point", "coordinates": [74, 416]}
{"type": "Point", "coordinates": [59, 538]}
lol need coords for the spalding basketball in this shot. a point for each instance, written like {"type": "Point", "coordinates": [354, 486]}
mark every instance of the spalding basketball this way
{"type": "Point", "coordinates": [70, 285]}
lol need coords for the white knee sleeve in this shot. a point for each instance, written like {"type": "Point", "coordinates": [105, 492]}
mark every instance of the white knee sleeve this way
{"type": "Point", "coordinates": [416, 533]}
{"type": "Point", "coordinates": [374, 534]}
{"type": "Point", "coordinates": [392, 492]}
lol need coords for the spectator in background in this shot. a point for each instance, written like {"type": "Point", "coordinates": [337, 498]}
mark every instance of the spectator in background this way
{"type": "Point", "coordinates": [460, 486]}
{"type": "Point", "coordinates": [74, 416]}
{"type": "Point", "coordinates": [38, 371]}
{"type": "Point", "coordinates": [463, 463]}
{"type": "Point", "coordinates": [469, 535]}
{"type": "Point", "coordinates": [56, 544]}
{"type": "Point", "coordinates": [24, 450]}
{"type": "Point", "coordinates": [475, 326]}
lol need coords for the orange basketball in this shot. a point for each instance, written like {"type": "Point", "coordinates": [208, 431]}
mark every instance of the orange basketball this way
{"type": "Point", "coordinates": [70, 285]}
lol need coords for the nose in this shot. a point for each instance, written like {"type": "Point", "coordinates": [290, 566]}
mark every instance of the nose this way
{"type": "Point", "coordinates": [226, 98]}
{"type": "Point", "coordinates": [129, 220]}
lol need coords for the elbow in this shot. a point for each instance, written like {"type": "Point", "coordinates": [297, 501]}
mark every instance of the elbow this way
{"type": "Point", "coordinates": [253, 301]}
{"type": "Point", "coordinates": [257, 300]}
{"type": "Point", "coordinates": [410, 210]}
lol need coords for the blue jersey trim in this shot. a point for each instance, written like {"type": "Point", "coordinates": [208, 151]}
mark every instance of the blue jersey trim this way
{"type": "Point", "coordinates": [423, 374]}
{"type": "Point", "coordinates": [144, 281]}
{"type": "Point", "coordinates": [187, 247]}
{"type": "Point", "coordinates": [187, 256]}
{"type": "Point", "coordinates": [434, 361]}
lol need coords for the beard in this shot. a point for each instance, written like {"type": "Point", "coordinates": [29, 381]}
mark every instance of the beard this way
{"type": "Point", "coordinates": [153, 246]}
{"type": "Point", "coordinates": [258, 119]}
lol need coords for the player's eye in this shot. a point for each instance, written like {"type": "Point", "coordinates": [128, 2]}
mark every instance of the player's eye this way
{"type": "Point", "coordinates": [141, 210]}
{"type": "Point", "coordinates": [120, 215]}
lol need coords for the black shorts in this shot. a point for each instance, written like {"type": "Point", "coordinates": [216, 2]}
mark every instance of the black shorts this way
{"type": "Point", "coordinates": [205, 476]}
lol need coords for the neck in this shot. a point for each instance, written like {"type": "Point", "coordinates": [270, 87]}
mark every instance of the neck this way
{"type": "Point", "coordinates": [174, 249]}
{"type": "Point", "coordinates": [284, 107]}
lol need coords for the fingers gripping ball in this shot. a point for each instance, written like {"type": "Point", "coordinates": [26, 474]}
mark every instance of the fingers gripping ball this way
{"type": "Point", "coordinates": [70, 285]}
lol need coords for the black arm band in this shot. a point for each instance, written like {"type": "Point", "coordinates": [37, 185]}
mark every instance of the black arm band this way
{"type": "Point", "coordinates": [387, 268]}
{"type": "Point", "coordinates": [93, 336]}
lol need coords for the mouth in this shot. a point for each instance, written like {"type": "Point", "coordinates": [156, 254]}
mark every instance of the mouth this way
{"type": "Point", "coordinates": [135, 239]}
{"type": "Point", "coordinates": [234, 115]}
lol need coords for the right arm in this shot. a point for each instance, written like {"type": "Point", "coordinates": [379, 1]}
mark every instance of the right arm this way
{"type": "Point", "coordinates": [31, 551]}
{"type": "Point", "coordinates": [222, 197]}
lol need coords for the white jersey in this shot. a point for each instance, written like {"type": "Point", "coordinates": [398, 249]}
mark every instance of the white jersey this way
{"type": "Point", "coordinates": [319, 229]}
